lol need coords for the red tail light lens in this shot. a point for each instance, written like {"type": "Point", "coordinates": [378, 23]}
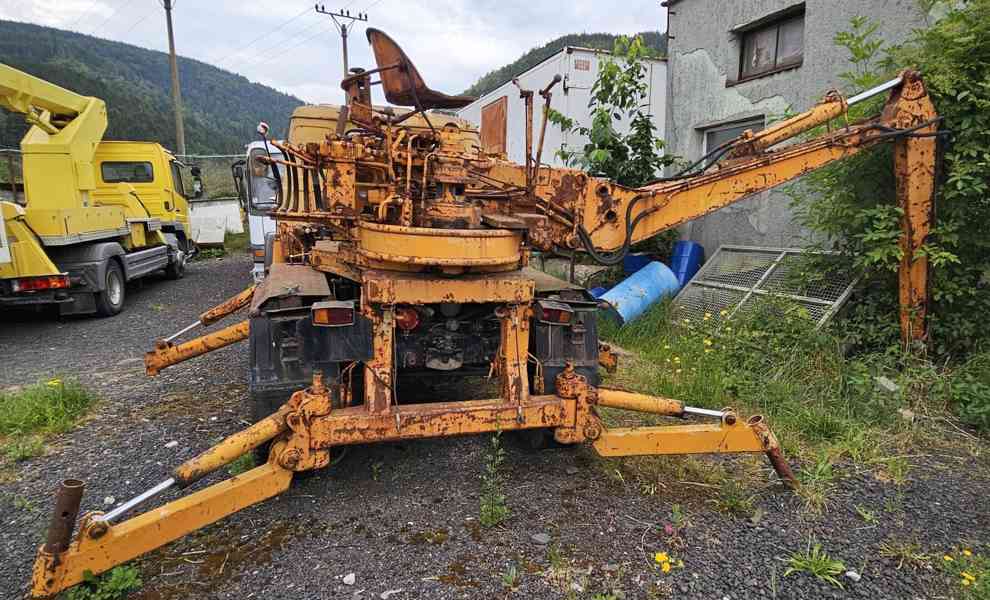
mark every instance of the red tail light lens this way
{"type": "Point", "coordinates": [333, 313]}
{"type": "Point", "coordinates": [554, 313]}
{"type": "Point", "coordinates": [46, 282]}
{"type": "Point", "coordinates": [406, 318]}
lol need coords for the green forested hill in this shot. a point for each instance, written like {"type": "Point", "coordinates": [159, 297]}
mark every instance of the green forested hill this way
{"type": "Point", "coordinates": [221, 108]}
{"type": "Point", "coordinates": [601, 41]}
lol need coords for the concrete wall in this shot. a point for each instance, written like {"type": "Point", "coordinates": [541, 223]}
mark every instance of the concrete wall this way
{"type": "Point", "coordinates": [705, 54]}
{"type": "Point", "coordinates": [570, 97]}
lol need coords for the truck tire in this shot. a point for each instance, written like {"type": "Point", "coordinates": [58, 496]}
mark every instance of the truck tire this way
{"type": "Point", "coordinates": [177, 266]}
{"type": "Point", "coordinates": [110, 300]}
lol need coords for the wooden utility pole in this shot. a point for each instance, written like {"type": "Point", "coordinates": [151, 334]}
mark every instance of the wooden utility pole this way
{"type": "Point", "coordinates": [343, 26]}
{"type": "Point", "coordinates": [180, 132]}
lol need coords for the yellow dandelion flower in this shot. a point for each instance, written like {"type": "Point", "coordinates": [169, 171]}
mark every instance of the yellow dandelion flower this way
{"type": "Point", "coordinates": [707, 342]}
{"type": "Point", "coordinates": [968, 552]}
{"type": "Point", "coordinates": [665, 567]}
{"type": "Point", "coordinates": [661, 557]}
{"type": "Point", "coordinates": [947, 558]}
{"type": "Point", "coordinates": [677, 359]}
{"type": "Point", "coordinates": [707, 350]}
{"type": "Point", "coordinates": [708, 316]}
{"type": "Point", "coordinates": [723, 313]}
{"type": "Point", "coordinates": [967, 575]}
{"type": "Point", "coordinates": [666, 346]}
{"type": "Point", "coordinates": [964, 582]}
{"type": "Point", "coordinates": [54, 382]}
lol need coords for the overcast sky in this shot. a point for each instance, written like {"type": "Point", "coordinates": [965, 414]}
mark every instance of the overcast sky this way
{"type": "Point", "coordinates": [286, 45]}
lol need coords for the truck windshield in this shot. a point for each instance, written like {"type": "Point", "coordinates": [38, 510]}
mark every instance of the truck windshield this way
{"type": "Point", "coordinates": [262, 186]}
{"type": "Point", "coordinates": [127, 172]}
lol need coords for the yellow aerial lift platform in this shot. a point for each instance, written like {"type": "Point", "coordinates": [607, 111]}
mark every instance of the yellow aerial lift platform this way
{"type": "Point", "coordinates": [401, 250]}
{"type": "Point", "coordinates": [97, 213]}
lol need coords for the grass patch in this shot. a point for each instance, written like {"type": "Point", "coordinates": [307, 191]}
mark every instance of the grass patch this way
{"type": "Point", "coordinates": [30, 413]}
{"type": "Point", "coordinates": [237, 243]}
{"type": "Point", "coordinates": [823, 405]}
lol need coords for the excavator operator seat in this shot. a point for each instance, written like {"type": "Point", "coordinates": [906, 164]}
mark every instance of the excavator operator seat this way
{"type": "Point", "coordinates": [401, 81]}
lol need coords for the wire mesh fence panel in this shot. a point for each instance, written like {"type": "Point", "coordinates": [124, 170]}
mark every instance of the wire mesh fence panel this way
{"type": "Point", "coordinates": [737, 279]}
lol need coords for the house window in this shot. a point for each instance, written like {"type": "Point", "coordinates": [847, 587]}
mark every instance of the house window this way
{"type": "Point", "coordinates": [493, 119]}
{"type": "Point", "coordinates": [718, 135]}
{"type": "Point", "coordinates": [772, 47]}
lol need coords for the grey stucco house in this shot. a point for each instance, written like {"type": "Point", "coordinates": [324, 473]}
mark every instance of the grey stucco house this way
{"type": "Point", "coordinates": [735, 65]}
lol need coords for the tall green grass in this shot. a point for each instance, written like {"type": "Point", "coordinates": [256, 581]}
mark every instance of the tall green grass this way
{"type": "Point", "coordinates": [29, 413]}
{"type": "Point", "coordinates": [773, 361]}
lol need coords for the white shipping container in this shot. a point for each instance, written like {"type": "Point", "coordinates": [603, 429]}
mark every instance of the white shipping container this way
{"type": "Point", "coordinates": [578, 68]}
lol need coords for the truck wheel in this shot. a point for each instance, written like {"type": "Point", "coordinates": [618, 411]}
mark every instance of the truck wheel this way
{"type": "Point", "coordinates": [176, 268]}
{"type": "Point", "coordinates": [110, 300]}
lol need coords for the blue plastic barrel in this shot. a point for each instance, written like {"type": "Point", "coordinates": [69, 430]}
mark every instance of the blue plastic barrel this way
{"type": "Point", "coordinates": [641, 290]}
{"type": "Point", "coordinates": [597, 292]}
{"type": "Point", "coordinates": [686, 261]}
{"type": "Point", "coordinates": [635, 261]}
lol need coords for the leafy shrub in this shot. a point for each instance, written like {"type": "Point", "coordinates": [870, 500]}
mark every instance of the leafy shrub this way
{"type": "Point", "coordinates": [852, 202]}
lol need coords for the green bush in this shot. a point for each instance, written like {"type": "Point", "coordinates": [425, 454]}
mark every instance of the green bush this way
{"type": "Point", "coordinates": [852, 202]}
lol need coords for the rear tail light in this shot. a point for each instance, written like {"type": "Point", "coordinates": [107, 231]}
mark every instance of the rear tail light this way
{"type": "Point", "coordinates": [333, 313]}
{"type": "Point", "coordinates": [554, 313]}
{"type": "Point", "coordinates": [259, 254]}
{"type": "Point", "coordinates": [45, 282]}
{"type": "Point", "coordinates": [406, 318]}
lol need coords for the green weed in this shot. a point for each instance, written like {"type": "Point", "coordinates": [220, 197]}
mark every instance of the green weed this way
{"type": "Point", "coordinates": [242, 464]}
{"type": "Point", "coordinates": [493, 507]}
{"type": "Point", "coordinates": [112, 585]}
{"type": "Point", "coordinates": [23, 447]}
{"type": "Point", "coordinates": [905, 553]}
{"type": "Point", "coordinates": [510, 578]}
{"type": "Point", "coordinates": [815, 561]}
{"type": "Point", "coordinates": [970, 571]}
{"type": "Point", "coordinates": [868, 516]}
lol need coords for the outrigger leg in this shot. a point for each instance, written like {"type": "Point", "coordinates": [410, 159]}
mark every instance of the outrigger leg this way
{"type": "Point", "coordinates": [305, 429]}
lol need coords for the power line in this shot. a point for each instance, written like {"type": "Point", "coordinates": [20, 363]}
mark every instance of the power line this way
{"type": "Point", "coordinates": [105, 21]}
{"type": "Point", "coordinates": [136, 23]}
{"type": "Point", "coordinates": [243, 47]}
{"type": "Point", "coordinates": [84, 14]}
{"type": "Point", "coordinates": [264, 53]}
{"type": "Point", "coordinates": [326, 28]}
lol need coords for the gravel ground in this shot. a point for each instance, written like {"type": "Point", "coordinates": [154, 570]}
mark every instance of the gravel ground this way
{"type": "Point", "coordinates": [404, 516]}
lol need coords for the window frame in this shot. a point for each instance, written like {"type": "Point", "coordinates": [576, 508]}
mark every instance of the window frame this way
{"type": "Point", "coordinates": [775, 22]}
{"type": "Point", "coordinates": [178, 185]}
{"type": "Point", "coordinates": [103, 173]}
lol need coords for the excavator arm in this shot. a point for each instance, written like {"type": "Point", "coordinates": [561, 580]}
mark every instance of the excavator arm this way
{"type": "Point", "coordinates": [605, 219]}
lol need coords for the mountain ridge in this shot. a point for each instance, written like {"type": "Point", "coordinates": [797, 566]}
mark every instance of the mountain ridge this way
{"type": "Point", "coordinates": [221, 108]}
{"type": "Point", "coordinates": [532, 57]}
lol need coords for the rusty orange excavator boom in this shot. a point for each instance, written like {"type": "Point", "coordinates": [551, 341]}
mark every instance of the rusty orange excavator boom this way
{"type": "Point", "coordinates": [402, 249]}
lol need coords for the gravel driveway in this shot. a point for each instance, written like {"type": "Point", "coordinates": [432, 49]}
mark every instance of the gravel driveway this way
{"type": "Point", "coordinates": [404, 516]}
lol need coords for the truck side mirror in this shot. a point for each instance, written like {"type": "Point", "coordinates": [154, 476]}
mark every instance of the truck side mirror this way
{"type": "Point", "coordinates": [197, 183]}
